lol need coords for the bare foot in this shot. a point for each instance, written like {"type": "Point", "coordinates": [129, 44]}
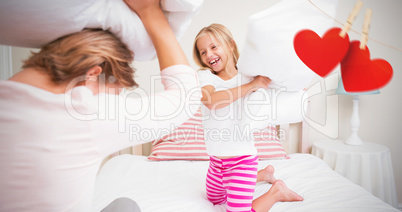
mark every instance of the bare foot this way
{"type": "Point", "coordinates": [266, 174]}
{"type": "Point", "coordinates": [283, 193]}
{"type": "Point", "coordinates": [278, 192]}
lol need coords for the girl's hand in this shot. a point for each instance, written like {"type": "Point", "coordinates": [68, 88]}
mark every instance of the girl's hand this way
{"type": "Point", "coordinates": [143, 6]}
{"type": "Point", "coordinates": [259, 82]}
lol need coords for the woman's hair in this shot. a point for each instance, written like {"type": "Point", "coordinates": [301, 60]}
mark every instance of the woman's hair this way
{"type": "Point", "coordinates": [224, 37]}
{"type": "Point", "coordinates": [73, 55]}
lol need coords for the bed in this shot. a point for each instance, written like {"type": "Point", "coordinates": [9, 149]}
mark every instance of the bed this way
{"type": "Point", "coordinates": [179, 185]}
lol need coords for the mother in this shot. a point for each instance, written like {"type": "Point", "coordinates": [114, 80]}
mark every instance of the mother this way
{"type": "Point", "coordinates": [58, 123]}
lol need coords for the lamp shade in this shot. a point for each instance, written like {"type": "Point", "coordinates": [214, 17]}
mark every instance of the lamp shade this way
{"type": "Point", "coordinates": [341, 90]}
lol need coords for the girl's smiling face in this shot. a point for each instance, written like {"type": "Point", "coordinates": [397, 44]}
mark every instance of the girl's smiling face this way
{"type": "Point", "coordinates": [212, 53]}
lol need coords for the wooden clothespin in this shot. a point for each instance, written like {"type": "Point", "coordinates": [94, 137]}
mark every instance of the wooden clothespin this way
{"type": "Point", "coordinates": [351, 18]}
{"type": "Point", "coordinates": [366, 27]}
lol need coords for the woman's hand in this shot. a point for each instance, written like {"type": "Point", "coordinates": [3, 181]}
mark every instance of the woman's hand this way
{"type": "Point", "coordinates": [143, 6]}
{"type": "Point", "coordinates": [259, 82]}
{"type": "Point", "coordinates": [167, 48]}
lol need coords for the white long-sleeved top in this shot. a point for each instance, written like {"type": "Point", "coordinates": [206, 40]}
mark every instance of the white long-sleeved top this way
{"type": "Point", "coordinates": [52, 145]}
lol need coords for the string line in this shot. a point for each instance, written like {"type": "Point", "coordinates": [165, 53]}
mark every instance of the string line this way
{"type": "Point", "coordinates": [355, 31]}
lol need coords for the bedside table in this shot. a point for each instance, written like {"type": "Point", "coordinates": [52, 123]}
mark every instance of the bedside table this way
{"type": "Point", "coordinates": [368, 165]}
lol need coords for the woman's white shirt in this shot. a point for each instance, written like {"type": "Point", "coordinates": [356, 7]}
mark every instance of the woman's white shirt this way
{"type": "Point", "coordinates": [52, 145]}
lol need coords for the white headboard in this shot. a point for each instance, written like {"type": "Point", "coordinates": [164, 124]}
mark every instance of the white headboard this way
{"type": "Point", "coordinates": [294, 139]}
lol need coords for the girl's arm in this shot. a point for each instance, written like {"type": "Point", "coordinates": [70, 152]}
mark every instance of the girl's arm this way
{"type": "Point", "coordinates": [219, 99]}
{"type": "Point", "coordinates": [167, 47]}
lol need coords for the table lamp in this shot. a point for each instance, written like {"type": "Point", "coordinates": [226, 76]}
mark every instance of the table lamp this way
{"type": "Point", "coordinates": [354, 138]}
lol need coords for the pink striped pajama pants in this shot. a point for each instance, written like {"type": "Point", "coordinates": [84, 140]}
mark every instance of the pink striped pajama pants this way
{"type": "Point", "coordinates": [232, 181]}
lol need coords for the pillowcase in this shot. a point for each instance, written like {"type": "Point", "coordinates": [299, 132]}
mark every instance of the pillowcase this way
{"type": "Point", "coordinates": [36, 23]}
{"type": "Point", "coordinates": [268, 145]}
{"type": "Point", "coordinates": [187, 143]}
{"type": "Point", "coordinates": [268, 50]}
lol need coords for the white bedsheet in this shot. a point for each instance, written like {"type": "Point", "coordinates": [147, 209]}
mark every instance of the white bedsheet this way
{"type": "Point", "coordinates": [180, 186]}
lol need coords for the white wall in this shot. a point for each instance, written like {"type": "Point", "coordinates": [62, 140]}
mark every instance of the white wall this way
{"type": "Point", "coordinates": [379, 114]}
{"type": "Point", "coordinates": [19, 54]}
{"type": "Point", "coordinates": [5, 62]}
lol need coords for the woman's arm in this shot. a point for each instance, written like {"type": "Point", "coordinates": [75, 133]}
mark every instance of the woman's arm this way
{"type": "Point", "coordinates": [167, 47]}
{"type": "Point", "coordinates": [143, 118]}
{"type": "Point", "coordinates": [219, 99]}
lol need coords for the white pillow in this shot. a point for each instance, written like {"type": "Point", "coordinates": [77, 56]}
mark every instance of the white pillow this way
{"type": "Point", "coordinates": [35, 23]}
{"type": "Point", "coordinates": [269, 51]}
{"type": "Point", "coordinates": [267, 107]}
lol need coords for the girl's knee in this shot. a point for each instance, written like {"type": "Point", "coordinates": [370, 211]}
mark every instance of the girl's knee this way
{"type": "Point", "coordinates": [217, 200]}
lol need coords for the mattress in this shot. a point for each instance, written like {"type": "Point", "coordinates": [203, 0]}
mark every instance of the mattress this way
{"type": "Point", "coordinates": [180, 185]}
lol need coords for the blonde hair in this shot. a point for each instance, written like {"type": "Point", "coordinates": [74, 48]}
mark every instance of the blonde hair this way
{"type": "Point", "coordinates": [224, 37]}
{"type": "Point", "coordinates": [73, 55]}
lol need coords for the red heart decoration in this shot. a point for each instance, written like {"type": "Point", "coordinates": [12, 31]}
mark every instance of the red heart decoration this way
{"type": "Point", "coordinates": [360, 73]}
{"type": "Point", "coordinates": [321, 55]}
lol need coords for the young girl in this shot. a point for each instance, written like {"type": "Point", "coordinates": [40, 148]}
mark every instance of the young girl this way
{"type": "Point", "coordinates": [232, 172]}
